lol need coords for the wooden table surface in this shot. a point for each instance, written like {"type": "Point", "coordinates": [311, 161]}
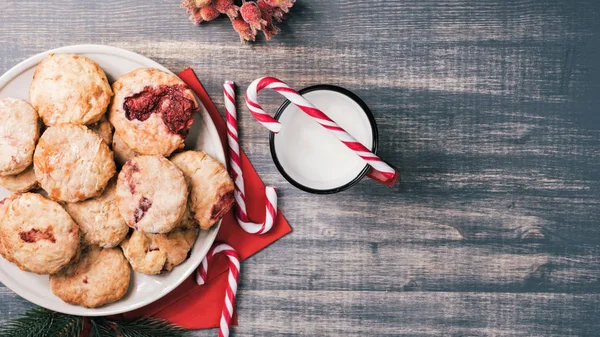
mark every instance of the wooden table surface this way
{"type": "Point", "coordinates": [490, 110]}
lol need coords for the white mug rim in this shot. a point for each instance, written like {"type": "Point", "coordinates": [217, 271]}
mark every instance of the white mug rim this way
{"type": "Point", "coordinates": [374, 132]}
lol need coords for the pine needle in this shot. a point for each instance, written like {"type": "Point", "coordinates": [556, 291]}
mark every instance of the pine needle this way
{"type": "Point", "coordinates": [101, 328]}
{"type": "Point", "coordinates": [40, 322]}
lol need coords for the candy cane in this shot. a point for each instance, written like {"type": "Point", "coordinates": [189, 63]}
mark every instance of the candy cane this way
{"type": "Point", "coordinates": [234, 272]}
{"type": "Point", "coordinates": [236, 168]}
{"type": "Point", "coordinates": [272, 124]}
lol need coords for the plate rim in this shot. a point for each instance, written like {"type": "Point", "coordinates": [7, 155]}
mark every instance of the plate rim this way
{"type": "Point", "coordinates": [114, 51]}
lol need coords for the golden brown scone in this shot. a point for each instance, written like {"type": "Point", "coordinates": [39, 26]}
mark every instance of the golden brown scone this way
{"type": "Point", "coordinates": [72, 163]}
{"type": "Point", "coordinates": [99, 219]}
{"type": "Point", "coordinates": [19, 183]}
{"type": "Point", "coordinates": [122, 152]}
{"type": "Point", "coordinates": [3, 252]}
{"type": "Point", "coordinates": [19, 131]}
{"type": "Point", "coordinates": [104, 129]}
{"type": "Point", "coordinates": [151, 194]}
{"type": "Point", "coordinates": [211, 187]}
{"type": "Point", "coordinates": [99, 277]}
{"type": "Point", "coordinates": [152, 111]}
{"type": "Point", "coordinates": [37, 233]}
{"type": "Point", "coordinates": [69, 88]}
{"type": "Point", "coordinates": [156, 253]}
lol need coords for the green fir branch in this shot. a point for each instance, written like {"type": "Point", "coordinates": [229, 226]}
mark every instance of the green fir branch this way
{"type": "Point", "coordinates": [101, 327]}
{"type": "Point", "coordinates": [43, 323]}
{"type": "Point", "coordinates": [39, 322]}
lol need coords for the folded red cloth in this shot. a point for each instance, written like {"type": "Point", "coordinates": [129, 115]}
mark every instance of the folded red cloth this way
{"type": "Point", "coordinates": [196, 307]}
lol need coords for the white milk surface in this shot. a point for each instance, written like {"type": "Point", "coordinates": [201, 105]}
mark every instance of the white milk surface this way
{"type": "Point", "coordinates": [310, 154]}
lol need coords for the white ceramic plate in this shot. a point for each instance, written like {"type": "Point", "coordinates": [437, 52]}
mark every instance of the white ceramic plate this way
{"type": "Point", "coordinates": [144, 289]}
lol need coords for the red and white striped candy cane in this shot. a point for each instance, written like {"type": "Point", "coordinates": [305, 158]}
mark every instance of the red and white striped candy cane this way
{"type": "Point", "coordinates": [234, 272]}
{"type": "Point", "coordinates": [272, 124]}
{"type": "Point", "coordinates": [238, 177]}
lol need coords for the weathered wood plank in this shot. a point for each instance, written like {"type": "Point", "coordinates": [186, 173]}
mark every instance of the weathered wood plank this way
{"type": "Point", "coordinates": [322, 313]}
{"type": "Point", "coordinates": [361, 313]}
{"type": "Point", "coordinates": [436, 266]}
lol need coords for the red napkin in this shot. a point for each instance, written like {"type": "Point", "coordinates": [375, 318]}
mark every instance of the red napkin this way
{"type": "Point", "coordinates": [196, 307]}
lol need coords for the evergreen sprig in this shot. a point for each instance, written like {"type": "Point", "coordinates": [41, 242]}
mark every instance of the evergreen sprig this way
{"type": "Point", "coordinates": [43, 323]}
{"type": "Point", "coordinates": [39, 322]}
{"type": "Point", "coordinates": [101, 327]}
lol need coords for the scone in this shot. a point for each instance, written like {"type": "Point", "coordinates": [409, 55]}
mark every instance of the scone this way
{"type": "Point", "coordinates": [99, 277]}
{"type": "Point", "coordinates": [22, 182]}
{"type": "Point", "coordinates": [3, 252]}
{"type": "Point", "coordinates": [152, 111]}
{"type": "Point", "coordinates": [156, 253]}
{"type": "Point", "coordinates": [19, 131]}
{"type": "Point", "coordinates": [72, 163]}
{"type": "Point", "coordinates": [99, 219]}
{"type": "Point", "coordinates": [211, 187]}
{"type": "Point", "coordinates": [69, 88]}
{"type": "Point", "coordinates": [37, 233]}
{"type": "Point", "coordinates": [152, 194]}
{"type": "Point", "coordinates": [104, 129]}
{"type": "Point", "coordinates": [122, 152]}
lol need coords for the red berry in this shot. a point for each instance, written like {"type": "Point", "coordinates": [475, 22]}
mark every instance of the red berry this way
{"type": "Point", "coordinates": [252, 15]}
{"type": "Point", "coordinates": [195, 16]}
{"type": "Point", "coordinates": [269, 10]}
{"type": "Point", "coordinates": [265, 7]}
{"type": "Point", "coordinates": [209, 13]}
{"type": "Point", "coordinates": [284, 5]}
{"type": "Point", "coordinates": [243, 29]}
{"type": "Point", "coordinates": [268, 29]}
{"type": "Point", "coordinates": [227, 7]}
{"type": "Point", "coordinates": [194, 7]}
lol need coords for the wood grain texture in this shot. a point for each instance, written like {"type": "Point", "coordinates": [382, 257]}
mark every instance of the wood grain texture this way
{"type": "Point", "coordinates": [490, 110]}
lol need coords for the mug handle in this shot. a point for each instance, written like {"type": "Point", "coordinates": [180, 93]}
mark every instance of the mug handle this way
{"type": "Point", "coordinates": [380, 178]}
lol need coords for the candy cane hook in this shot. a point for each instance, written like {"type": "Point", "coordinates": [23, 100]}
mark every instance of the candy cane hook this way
{"type": "Point", "coordinates": [230, 292]}
{"type": "Point", "coordinates": [238, 177]}
{"type": "Point", "coordinates": [293, 96]}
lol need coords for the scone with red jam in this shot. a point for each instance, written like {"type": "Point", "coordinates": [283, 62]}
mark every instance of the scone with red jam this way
{"type": "Point", "coordinates": [151, 194]}
{"type": "Point", "coordinates": [211, 187]}
{"type": "Point", "coordinates": [152, 111]}
{"type": "Point", "coordinates": [37, 234]}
